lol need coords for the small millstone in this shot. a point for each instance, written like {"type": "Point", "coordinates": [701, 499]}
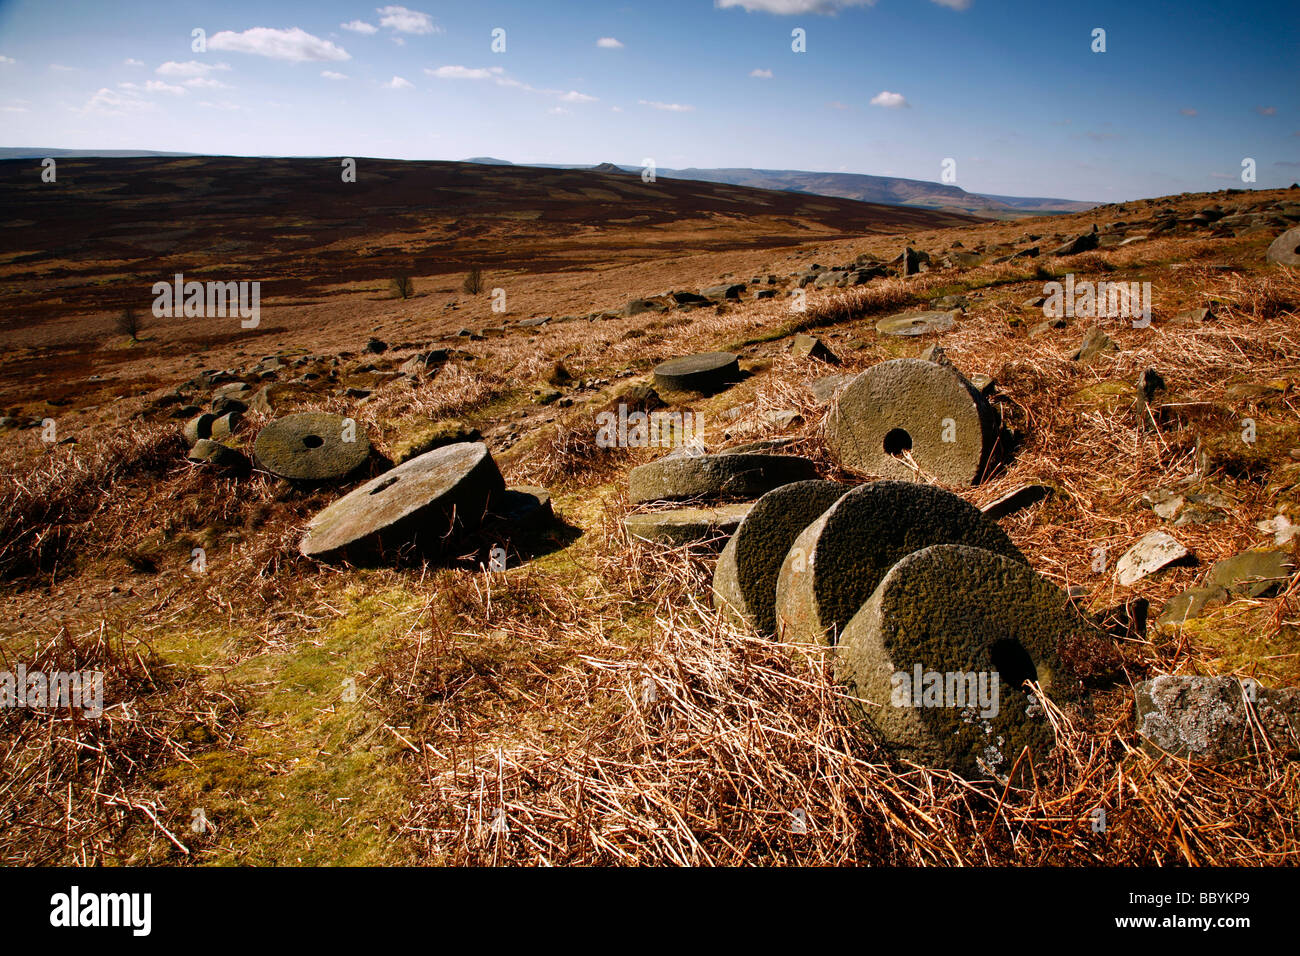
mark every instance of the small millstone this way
{"type": "Point", "coordinates": [917, 323]}
{"type": "Point", "coordinates": [709, 372]}
{"type": "Point", "coordinates": [686, 525]}
{"type": "Point", "coordinates": [311, 446]}
{"type": "Point", "coordinates": [685, 476]}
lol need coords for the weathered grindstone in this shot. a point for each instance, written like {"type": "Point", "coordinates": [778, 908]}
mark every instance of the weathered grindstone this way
{"type": "Point", "coordinates": [836, 562]}
{"type": "Point", "coordinates": [917, 323]}
{"type": "Point", "coordinates": [224, 426]}
{"type": "Point", "coordinates": [311, 446]}
{"type": "Point", "coordinates": [708, 372]}
{"type": "Point", "coordinates": [1153, 552]}
{"type": "Point", "coordinates": [200, 426]}
{"type": "Point", "coordinates": [1285, 249]}
{"type": "Point", "coordinates": [419, 504]}
{"type": "Point", "coordinates": [678, 477]}
{"type": "Point", "coordinates": [908, 405]}
{"type": "Point", "coordinates": [936, 660]}
{"type": "Point", "coordinates": [686, 525]}
{"type": "Point", "coordinates": [219, 456]}
{"type": "Point", "coordinates": [1252, 574]}
{"type": "Point", "coordinates": [744, 579]}
{"type": "Point", "coordinates": [1209, 718]}
{"type": "Point", "coordinates": [824, 388]}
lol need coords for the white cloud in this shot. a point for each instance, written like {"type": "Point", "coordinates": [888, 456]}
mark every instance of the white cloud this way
{"type": "Point", "coordinates": [9, 59]}
{"type": "Point", "coordinates": [785, 7]}
{"type": "Point", "coordinates": [497, 75]}
{"type": "Point", "coordinates": [557, 110]}
{"type": "Point", "coordinates": [331, 75]}
{"type": "Point", "coordinates": [573, 96]}
{"type": "Point", "coordinates": [158, 86]}
{"type": "Point", "coordinates": [761, 74]}
{"type": "Point", "coordinates": [205, 83]}
{"type": "Point", "coordinates": [670, 107]}
{"type": "Point", "coordinates": [294, 45]}
{"type": "Point", "coordinates": [360, 26]}
{"type": "Point", "coordinates": [129, 61]}
{"type": "Point", "coordinates": [63, 69]}
{"type": "Point", "coordinates": [111, 103]}
{"type": "Point", "coordinates": [891, 101]}
{"type": "Point", "coordinates": [1266, 110]}
{"type": "Point", "coordinates": [189, 68]}
{"type": "Point", "coordinates": [13, 109]}
{"type": "Point", "coordinates": [223, 105]}
{"type": "Point", "coordinates": [463, 72]}
{"type": "Point", "coordinates": [609, 43]}
{"type": "Point", "coordinates": [954, 4]}
{"type": "Point", "coordinates": [406, 21]}
{"type": "Point", "coordinates": [398, 83]}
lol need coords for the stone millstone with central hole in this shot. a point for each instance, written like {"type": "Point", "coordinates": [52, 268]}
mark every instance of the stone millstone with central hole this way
{"type": "Point", "coordinates": [744, 580]}
{"type": "Point", "coordinates": [922, 408]}
{"type": "Point", "coordinates": [310, 446]}
{"type": "Point", "coordinates": [965, 612]}
{"type": "Point", "coordinates": [419, 503]}
{"type": "Point", "coordinates": [709, 372]}
{"type": "Point", "coordinates": [837, 561]}
{"type": "Point", "coordinates": [680, 477]}
{"type": "Point", "coordinates": [917, 323]}
{"type": "Point", "coordinates": [1285, 249]}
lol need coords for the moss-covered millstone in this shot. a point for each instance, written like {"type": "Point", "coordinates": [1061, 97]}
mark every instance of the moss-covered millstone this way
{"type": "Point", "coordinates": [311, 446]}
{"type": "Point", "coordinates": [917, 323]}
{"type": "Point", "coordinates": [744, 580]}
{"type": "Point", "coordinates": [916, 407]}
{"type": "Point", "coordinates": [679, 477]}
{"type": "Point", "coordinates": [969, 624]}
{"type": "Point", "coordinates": [418, 505]}
{"type": "Point", "coordinates": [836, 563]}
{"type": "Point", "coordinates": [686, 525]}
{"type": "Point", "coordinates": [709, 372]}
{"type": "Point", "coordinates": [1210, 719]}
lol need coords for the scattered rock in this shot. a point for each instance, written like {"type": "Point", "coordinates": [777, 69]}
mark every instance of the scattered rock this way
{"type": "Point", "coordinates": [744, 579]}
{"type": "Point", "coordinates": [1154, 552]}
{"type": "Point", "coordinates": [1016, 500]}
{"type": "Point", "coordinates": [686, 525]}
{"type": "Point", "coordinates": [679, 477]}
{"type": "Point", "coordinates": [1082, 243]}
{"type": "Point", "coordinates": [1285, 249]}
{"type": "Point", "coordinates": [217, 455]}
{"type": "Point", "coordinates": [809, 346]}
{"type": "Point", "coordinates": [311, 446]}
{"type": "Point", "coordinates": [1191, 603]}
{"type": "Point", "coordinates": [1213, 719]}
{"type": "Point", "coordinates": [1095, 342]}
{"type": "Point", "coordinates": [1252, 574]}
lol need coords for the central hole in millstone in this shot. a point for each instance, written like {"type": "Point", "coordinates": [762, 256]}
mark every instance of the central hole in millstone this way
{"type": "Point", "coordinates": [313, 441]}
{"type": "Point", "coordinates": [897, 442]}
{"type": "Point", "coordinates": [1013, 663]}
{"type": "Point", "coordinates": [386, 483]}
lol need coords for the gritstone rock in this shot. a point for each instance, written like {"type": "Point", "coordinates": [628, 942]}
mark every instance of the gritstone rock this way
{"type": "Point", "coordinates": [837, 561]}
{"type": "Point", "coordinates": [419, 503]}
{"type": "Point", "coordinates": [961, 616]}
{"type": "Point", "coordinates": [715, 476]}
{"type": "Point", "coordinates": [708, 372]}
{"type": "Point", "coordinates": [1252, 574]}
{"type": "Point", "coordinates": [1015, 500]}
{"type": "Point", "coordinates": [1285, 250]}
{"type": "Point", "coordinates": [917, 323]}
{"type": "Point", "coordinates": [208, 452]}
{"type": "Point", "coordinates": [908, 405]}
{"type": "Point", "coordinates": [686, 525]}
{"type": "Point", "coordinates": [1207, 718]}
{"type": "Point", "coordinates": [311, 446]}
{"type": "Point", "coordinates": [744, 580]}
{"type": "Point", "coordinates": [1153, 552]}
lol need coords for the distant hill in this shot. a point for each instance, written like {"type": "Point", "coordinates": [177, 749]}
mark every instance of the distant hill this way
{"type": "Point", "coordinates": [40, 152]}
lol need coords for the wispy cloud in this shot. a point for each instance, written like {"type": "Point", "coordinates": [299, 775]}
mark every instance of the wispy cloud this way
{"type": "Point", "coordinates": [398, 83]}
{"type": "Point", "coordinates": [112, 103]}
{"type": "Point", "coordinates": [498, 76]}
{"type": "Point", "coordinates": [294, 45]}
{"type": "Point", "coordinates": [1266, 110]}
{"type": "Point", "coordinates": [668, 107]}
{"type": "Point", "coordinates": [825, 7]}
{"type": "Point", "coordinates": [1188, 112]}
{"type": "Point", "coordinates": [609, 43]}
{"type": "Point", "coordinates": [890, 101]}
{"type": "Point", "coordinates": [331, 75]}
{"type": "Point", "coordinates": [7, 59]}
{"type": "Point", "coordinates": [761, 74]}
{"type": "Point", "coordinates": [129, 61]}
{"type": "Point", "coordinates": [189, 68]}
{"type": "Point", "coordinates": [403, 20]}
{"type": "Point", "coordinates": [360, 26]}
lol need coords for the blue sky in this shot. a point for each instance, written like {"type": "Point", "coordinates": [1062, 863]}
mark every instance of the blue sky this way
{"type": "Point", "coordinates": [1010, 90]}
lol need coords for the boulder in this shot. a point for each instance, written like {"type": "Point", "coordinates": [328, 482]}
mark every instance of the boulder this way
{"type": "Point", "coordinates": [683, 526]}
{"type": "Point", "coordinates": [917, 323]}
{"type": "Point", "coordinates": [1253, 574]}
{"type": "Point", "coordinates": [685, 476]}
{"type": "Point", "coordinates": [1015, 500]}
{"type": "Point", "coordinates": [1080, 243]}
{"type": "Point", "coordinates": [1095, 342]}
{"type": "Point", "coordinates": [1285, 249]}
{"type": "Point", "coordinates": [837, 561]}
{"type": "Point", "coordinates": [809, 346]}
{"type": "Point", "coordinates": [923, 408]}
{"type": "Point", "coordinates": [1213, 719]}
{"type": "Point", "coordinates": [219, 456]}
{"type": "Point", "coordinates": [311, 446]}
{"type": "Point", "coordinates": [744, 579]}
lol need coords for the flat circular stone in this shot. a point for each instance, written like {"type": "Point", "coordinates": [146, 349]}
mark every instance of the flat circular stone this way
{"type": "Point", "coordinates": [1285, 249]}
{"type": "Point", "coordinates": [837, 561]}
{"type": "Point", "coordinates": [417, 504]}
{"type": "Point", "coordinates": [917, 323]}
{"type": "Point", "coordinates": [686, 525]}
{"type": "Point", "coordinates": [935, 661]}
{"type": "Point", "coordinates": [924, 409]}
{"type": "Point", "coordinates": [708, 372]}
{"type": "Point", "coordinates": [744, 580]}
{"type": "Point", "coordinates": [680, 477]}
{"type": "Point", "coordinates": [310, 446]}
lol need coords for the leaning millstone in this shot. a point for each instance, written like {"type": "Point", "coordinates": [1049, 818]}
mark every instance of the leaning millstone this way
{"type": "Point", "coordinates": [1208, 718]}
{"type": "Point", "coordinates": [200, 426]}
{"type": "Point", "coordinates": [219, 456]}
{"type": "Point", "coordinates": [686, 525]}
{"type": "Point", "coordinates": [917, 323]}
{"type": "Point", "coordinates": [419, 504]}
{"type": "Point", "coordinates": [523, 508]}
{"type": "Point", "coordinates": [936, 661]}
{"type": "Point", "coordinates": [224, 427]}
{"type": "Point", "coordinates": [1015, 500]}
{"type": "Point", "coordinates": [1253, 574]}
{"type": "Point", "coordinates": [678, 477]}
{"type": "Point", "coordinates": [1153, 552]}
{"type": "Point", "coordinates": [744, 580]}
{"type": "Point", "coordinates": [708, 372]}
{"type": "Point", "coordinates": [1285, 250]}
{"type": "Point", "coordinates": [311, 446]}
{"type": "Point", "coordinates": [824, 388]}
{"type": "Point", "coordinates": [837, 561]}
{"type": "Point", "coordinates": [907, 405]}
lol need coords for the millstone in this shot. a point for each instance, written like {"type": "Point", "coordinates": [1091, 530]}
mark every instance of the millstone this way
{"type": "Point", "coordinates": [309, 446]}
{"type": "Point", "coordinates": [916, 323]}
{"type": "Point", "coordinates": [922, 408]}
{"type": "Point", "coordinates": [200, 426]}
{"type": "Point", "coordinates": [686, 525]}
{"type": "Point", "coordinates": [980, 617]}
{"type": "Point", "coordinates": [709, 372]}
{"type": "Point", "coordinates": [744, 580]}
{"type": "Point", "coordinates": [419, 503]}
{"type": "Point", "coordinates": [677, 477]}
{"type": "Point", "coordinates": [523, 508]}
{"type": "Point", "coordinates": [837, 561]}
{"type": "Point", "coordinates": [1285, 249]}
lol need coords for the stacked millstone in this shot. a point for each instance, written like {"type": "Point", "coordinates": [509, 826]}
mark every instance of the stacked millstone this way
{"type": "Point", "coordinates": [910, 408]}
{"type": "Point", "coordinates": [709, 480]}
{"type": "Point", "coordinates": [935, 618]}
{"type": "Point", "coordinates": [208, 431]}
